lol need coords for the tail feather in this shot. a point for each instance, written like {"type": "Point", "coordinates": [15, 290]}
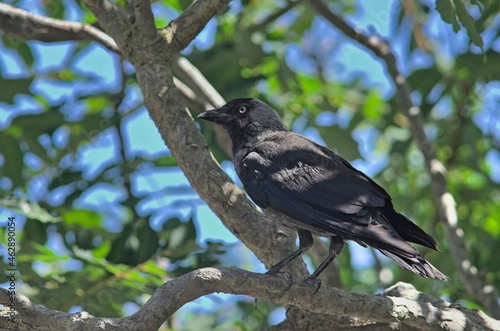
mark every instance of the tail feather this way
{"type": "Point", "coordinates": [408, 230]}
{"type": "Point", "coordinates": [379, 229]}
{"type": "Point", "coordinates": [418, 265]}
{"type": "Point", "coordinates": [392, 243]}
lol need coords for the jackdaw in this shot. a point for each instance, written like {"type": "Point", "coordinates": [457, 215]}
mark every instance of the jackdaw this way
{"type": "Point", "coordinates": [307, 187]}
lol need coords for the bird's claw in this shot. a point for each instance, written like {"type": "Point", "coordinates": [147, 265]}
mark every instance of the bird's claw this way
{"type": "Point", "coordinates": [273, 271]}
{"type": "Point", "coordinates": [283, 274]}
{"type": "Point", "coordinates": [313, 282]}
{"type": "Point", "coordinates": [287, 276]}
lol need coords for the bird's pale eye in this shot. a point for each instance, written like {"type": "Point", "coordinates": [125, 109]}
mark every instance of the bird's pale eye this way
{"type": "Point", "coordinates": [242, 109]}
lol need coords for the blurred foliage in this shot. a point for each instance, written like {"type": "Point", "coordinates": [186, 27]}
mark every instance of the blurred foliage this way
{"type": "Point", "coordinates": [79, 247]}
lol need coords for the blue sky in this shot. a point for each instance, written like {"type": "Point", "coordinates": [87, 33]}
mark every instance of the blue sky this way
{"type": "Point", "coordinates": [142, 136]}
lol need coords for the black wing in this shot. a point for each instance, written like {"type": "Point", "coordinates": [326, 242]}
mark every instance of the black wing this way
{"type": "Point", "coordinates": [296, 167]}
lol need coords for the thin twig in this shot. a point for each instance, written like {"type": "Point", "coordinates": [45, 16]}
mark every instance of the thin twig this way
{"type": "Point", "coordinates": [273, 17]}
{"type": "Point", "coordinates": [193, 78]}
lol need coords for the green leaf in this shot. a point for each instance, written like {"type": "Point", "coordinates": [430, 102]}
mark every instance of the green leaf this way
{"type": "Point", "coordinates": [173, 4]}
{"type": "Point", "coordinates": [181, 234]}
{"type": "Point", "coordinates": [97, 103]}
{"type": "Point", "coordinates": [134, 246]}
{"type": "Point", "coordinates": [179, 237]}
{"type": "Point", "coordinates": [29, 209]}
{"type": "Point", "coordinates": [448, 14]}
{"type": "Point", "coordinates": [341, 140]}
{"type": "Point", "coordinates": [166, 161]}
{"type": "Point", "coordinates": [37, 124]}
{"type": "Point", "coordinates": [63, 75]}
{"type": "Point", "coordinates": [67, 177]}
{"type": "Point", "coordinates": [374, 106]}
{"type": "Point", "coordinates": [424, 80]}
{"type": "Point", "coordinates": [13, 159]}
{"type": "Point", "coordinates": [89, 127]}
{"type": "Point", "coordinates": [21, 47]}
{"type": "Point", "coordinates": [45, 254]}
{"type": "Point", "coordinates": [468, 23]}
{"type": "Point", "coordinates": [55, 9]}
{"type": "Point", "coordinates": [36, 148]}
{"type": "Point", "coordinates": [84, 218]}
{"type": "Point", "coordinates": [12, 87]}
{"type": "Point", "coordinates": [309, 85]}
{"type": "Point", "coordinates": [303, 22]}
{"type": "Point", "coordinates": [478, 68]}
{"type": "Point", "coordinates": [453, 11]}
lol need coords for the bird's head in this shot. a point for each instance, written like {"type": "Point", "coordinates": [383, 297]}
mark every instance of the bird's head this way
{"type": "Point", "coordinates": [245, 118]}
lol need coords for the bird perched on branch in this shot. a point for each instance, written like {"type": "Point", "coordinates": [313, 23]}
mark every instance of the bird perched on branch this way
{"type": "Point", "coordinates": [307, 187]}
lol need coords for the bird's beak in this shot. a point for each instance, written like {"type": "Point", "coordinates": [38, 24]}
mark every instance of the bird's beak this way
{"type": "Point", "coordinates": [218, 116]}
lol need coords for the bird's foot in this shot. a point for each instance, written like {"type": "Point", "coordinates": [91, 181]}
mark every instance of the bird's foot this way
{"type": "Point", "coordinates": [273, 271]}
{"type": "Point", "coordinates": [313, 282]}
{"type": "Point", "coordinates": [283, 274]}
{"type": "Point", "coordinates": [288, 277]}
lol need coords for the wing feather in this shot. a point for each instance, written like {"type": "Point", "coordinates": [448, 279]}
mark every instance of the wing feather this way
{"type": "Point", "coordinates": [310, 173]}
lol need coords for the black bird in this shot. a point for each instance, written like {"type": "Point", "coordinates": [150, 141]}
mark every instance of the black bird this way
{"type": "Point", "coordinates": [307, 187]}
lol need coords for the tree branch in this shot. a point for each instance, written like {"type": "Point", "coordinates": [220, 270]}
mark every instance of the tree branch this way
{"type": "Point", "coordinates": [189, 74]}
{"type": "Point", "coordinates": [181, 31]}
{"type": "Point", "coordinates": [24, 25]}
{"type": "Point", "coordinates": [144, 17]}
{"type": "Point", "coordinates": [190, 98]}
{"type": "Point", "coordinates": [401, 304]}
{"type": "Point", "coordinates": [111, 17]}
{"type": "Point", "coordinates": [273, 17]}
{"type": "Point", "coordinates": [478, 287]}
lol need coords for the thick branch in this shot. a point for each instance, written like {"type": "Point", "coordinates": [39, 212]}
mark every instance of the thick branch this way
{"type": "Point", "coordinates": [181, 31]}
{"type": "Point", "coordinates": [111, 17]}
{"type": "Point", "coordinates": [401, 304]}
{"type": "Point", "coordinates": [477, 287]}
{"type": "Point", "coordinates": [24, 25]}
{"type": "Point", "coordinates": [144, 17]}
